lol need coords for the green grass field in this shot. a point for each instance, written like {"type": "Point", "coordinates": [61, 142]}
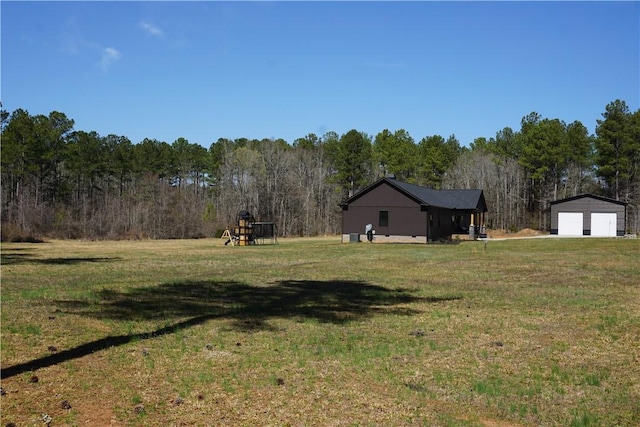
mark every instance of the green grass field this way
{"type": "Point", "coordinates": [312, 332]}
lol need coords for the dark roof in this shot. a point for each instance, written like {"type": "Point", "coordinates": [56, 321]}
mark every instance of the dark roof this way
{"type": "Point", "coordinates": [449, 199]}
{"type": "Point", "coordinates": [591, 196]}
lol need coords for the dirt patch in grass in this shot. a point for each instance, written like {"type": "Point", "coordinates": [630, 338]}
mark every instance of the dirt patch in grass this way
{"type": "Point", "coordinates": [504, 234]}
{"type": "Point", "coordinates": [75, 393]}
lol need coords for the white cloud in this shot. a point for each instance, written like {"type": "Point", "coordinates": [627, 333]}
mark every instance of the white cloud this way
{"type": "Point", "coordinates": [150, 29]}
{"type": "Point", "coordinates": [109, 56]}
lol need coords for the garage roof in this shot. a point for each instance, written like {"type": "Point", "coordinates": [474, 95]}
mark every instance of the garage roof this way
{"type": "Point", "coordinates": [592, 196]}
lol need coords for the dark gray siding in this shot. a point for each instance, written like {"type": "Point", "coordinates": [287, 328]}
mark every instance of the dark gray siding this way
{"type": "Point", "coordinates": [405, 215]}
{"type": "Point", "coordinates": [441, 225]}
{"type": "Point", "coordinates": [588, 205]}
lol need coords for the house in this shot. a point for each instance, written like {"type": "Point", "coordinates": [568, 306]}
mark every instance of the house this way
{"type": "Point", "coordinates": [402, 212]}
{"type": "Point", "coordinates": [588, 215]}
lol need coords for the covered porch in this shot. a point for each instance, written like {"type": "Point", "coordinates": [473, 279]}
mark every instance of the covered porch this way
{"type": "Point", "coordinates": [469, 226]}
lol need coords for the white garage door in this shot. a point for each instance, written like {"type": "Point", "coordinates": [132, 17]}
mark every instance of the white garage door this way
{"type": "Point", "coordinates": [603, 224]}
{"type": "Point", "coordinates": [570, 223]}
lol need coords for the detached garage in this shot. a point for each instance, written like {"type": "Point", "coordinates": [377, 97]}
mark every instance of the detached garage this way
{"type": "Point", "coordinates": [588, 215]}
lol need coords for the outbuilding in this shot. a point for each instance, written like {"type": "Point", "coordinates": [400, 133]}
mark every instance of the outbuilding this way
{"type": "Point", "coordinates": [588, 215]}
{"type": "Point", "coordinates": [403, 212]}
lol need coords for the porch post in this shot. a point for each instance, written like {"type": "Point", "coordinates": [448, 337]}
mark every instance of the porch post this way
{"type": "Point", "coordinates": [472, 228]}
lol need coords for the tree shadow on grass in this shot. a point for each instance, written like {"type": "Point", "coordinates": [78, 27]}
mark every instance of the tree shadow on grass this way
{"type": "Point", "coordinates": [14, 256]}
{"type": "Point", "coordinates": [250, 308]}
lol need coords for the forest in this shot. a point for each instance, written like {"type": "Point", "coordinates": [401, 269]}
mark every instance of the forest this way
{"type": "Point", "coordinates": [60, 182]}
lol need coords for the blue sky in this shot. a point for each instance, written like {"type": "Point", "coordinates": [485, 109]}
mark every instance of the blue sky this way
{"type": "Point", "coordinates": [205, 70]}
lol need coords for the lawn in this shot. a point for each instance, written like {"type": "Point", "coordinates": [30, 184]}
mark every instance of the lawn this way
{"type": "Point", "coordinates": [312, 332]}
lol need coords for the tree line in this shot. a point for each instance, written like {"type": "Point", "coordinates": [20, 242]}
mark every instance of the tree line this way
{"type": "Point", "coordinates": [67, 183]}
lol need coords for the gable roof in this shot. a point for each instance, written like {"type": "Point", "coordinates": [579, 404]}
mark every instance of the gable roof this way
{"type": "Point", "coordinates": [591, 196]}
{"type": "Point", "coordinates": [448, 199]}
